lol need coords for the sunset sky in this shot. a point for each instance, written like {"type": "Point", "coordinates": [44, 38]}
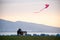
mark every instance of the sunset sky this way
{"type": "Point", "coordinates": [23, 10]}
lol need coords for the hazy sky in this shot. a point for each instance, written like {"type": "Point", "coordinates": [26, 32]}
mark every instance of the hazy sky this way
{"type": "Point", "coordinates": [22, 10]}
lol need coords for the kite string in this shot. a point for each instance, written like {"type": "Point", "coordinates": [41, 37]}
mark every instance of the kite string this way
{"type": "Point", "coordinates": [42, 9]}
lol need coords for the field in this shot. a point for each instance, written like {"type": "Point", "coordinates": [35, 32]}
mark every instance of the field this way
{"type": "Point", "coordinates": [29, 38]}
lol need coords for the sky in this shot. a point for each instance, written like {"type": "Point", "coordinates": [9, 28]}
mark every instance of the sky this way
{"type": "Point", "coordinates": [23, 10]}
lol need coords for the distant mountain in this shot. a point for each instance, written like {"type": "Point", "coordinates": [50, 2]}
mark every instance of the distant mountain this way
{"type": "Point", "coordinates": [8, 26]}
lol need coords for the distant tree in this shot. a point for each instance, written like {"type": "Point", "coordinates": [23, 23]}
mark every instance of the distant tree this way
{"type": "Point", "coordinates": [57, 34]}
{"type": "Point", "coordinates": [35, 35]}
{"type": "Point", "coordinates": [43, 35]}
{"type": "Point", "coordinates": [13, 35]}
{"type": "Point", "coordinates": [46, 34]}
{"type": "Point", "coordinates": [28, 35]}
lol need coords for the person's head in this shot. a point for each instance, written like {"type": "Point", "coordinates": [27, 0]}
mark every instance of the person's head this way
{"type": "Point", "coordinates": [19, 29]}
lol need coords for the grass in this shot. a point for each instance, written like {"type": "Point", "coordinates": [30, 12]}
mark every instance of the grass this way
{"type": "Point", "coordinates": [29, 38]}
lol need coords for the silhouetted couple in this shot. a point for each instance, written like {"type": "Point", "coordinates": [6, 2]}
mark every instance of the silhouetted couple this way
{"type": "Point", "coordinates": [20, 32]}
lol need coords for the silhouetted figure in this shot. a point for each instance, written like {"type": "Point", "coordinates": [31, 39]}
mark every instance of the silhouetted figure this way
{"type": "Point", "coordinates": [20, 32]}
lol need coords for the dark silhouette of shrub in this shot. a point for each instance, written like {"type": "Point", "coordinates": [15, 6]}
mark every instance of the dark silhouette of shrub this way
{"type": "Point", "coordinates": [57, 34]}
{"type": "Point", "coordinates": [35, 35]}
{"type": "Point", "coordinates": [28, 35]}
{"type": "Point", "coordinates": [43, 35]}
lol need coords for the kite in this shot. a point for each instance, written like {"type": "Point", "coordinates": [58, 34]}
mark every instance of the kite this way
{"type": "Point", "coordinates": [46, 6]}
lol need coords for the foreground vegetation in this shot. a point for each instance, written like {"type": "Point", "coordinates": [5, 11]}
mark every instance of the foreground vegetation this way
{"type": "Point", "coordinates": [29, 38]}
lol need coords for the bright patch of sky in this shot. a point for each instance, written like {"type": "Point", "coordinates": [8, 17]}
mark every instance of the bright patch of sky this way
{"type": "Point", "coordinates": [22, 10]}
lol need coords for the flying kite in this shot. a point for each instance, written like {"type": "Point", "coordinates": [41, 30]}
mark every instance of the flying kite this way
{"type": "Point", "coordinates": [46, 6]}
